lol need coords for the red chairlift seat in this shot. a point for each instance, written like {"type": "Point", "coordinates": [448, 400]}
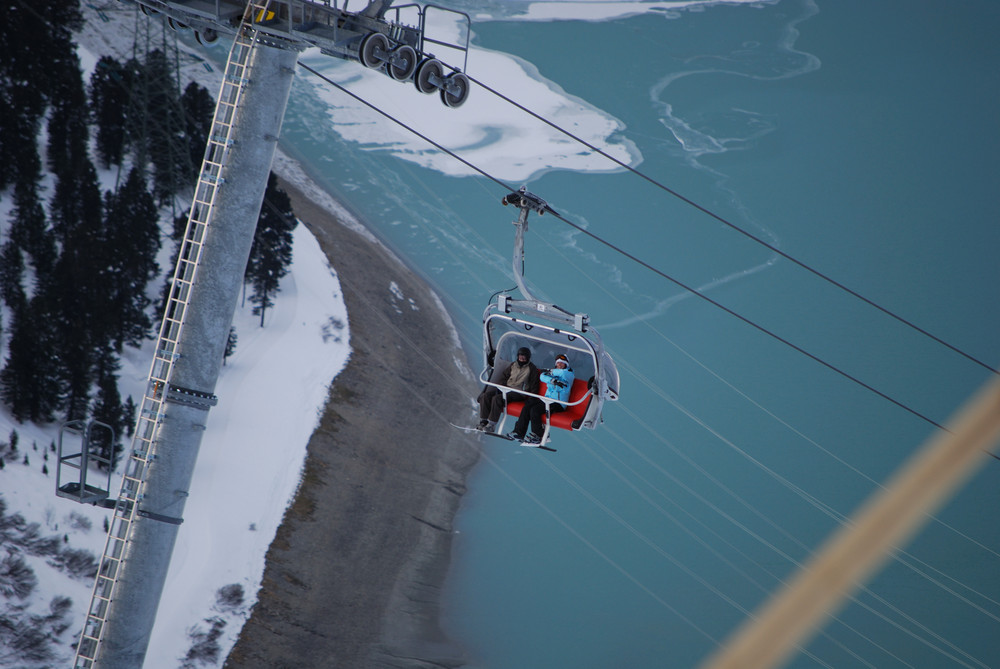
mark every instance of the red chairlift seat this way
{"type": "Point", "coordinates": [571, 419]}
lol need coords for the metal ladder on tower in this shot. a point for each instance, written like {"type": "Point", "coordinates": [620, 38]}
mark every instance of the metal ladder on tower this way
{"type": "Point", "coordinates": [151, 410]}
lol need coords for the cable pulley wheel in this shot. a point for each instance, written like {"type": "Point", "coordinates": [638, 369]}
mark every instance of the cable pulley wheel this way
{"type": "Point", "coordinates": [430, 68]}
{"type": "Point", "coordinates": [456, 90]}
{"type": "Point", "coordinates": [403, 62]}
{"type": "Point", "coordinates": [374, 50]}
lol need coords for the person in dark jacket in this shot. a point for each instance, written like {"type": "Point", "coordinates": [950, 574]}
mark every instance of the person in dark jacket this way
{"type": "Point", "coordinates": [521, 375]}
{"type": "Point", "coordinates": [558, 383]}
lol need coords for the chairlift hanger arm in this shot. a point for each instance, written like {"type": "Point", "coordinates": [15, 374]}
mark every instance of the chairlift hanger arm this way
{"type": "Point", "coordinates": [526, 202]}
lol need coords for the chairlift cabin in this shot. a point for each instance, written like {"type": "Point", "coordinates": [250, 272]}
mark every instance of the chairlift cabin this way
{"type": "Point", "coordinates": [547, 331]}
{"type": "Point", "coordinates": [81, 485]}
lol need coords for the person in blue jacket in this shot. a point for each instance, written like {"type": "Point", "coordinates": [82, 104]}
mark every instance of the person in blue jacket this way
{"type": "Point", "coordinates": [558, 382]}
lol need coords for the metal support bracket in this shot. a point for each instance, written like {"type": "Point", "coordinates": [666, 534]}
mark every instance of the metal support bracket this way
{"type": "Point", "coordinates": [191, 398]}
{"type": "Point", "coordinates": [159, 517]}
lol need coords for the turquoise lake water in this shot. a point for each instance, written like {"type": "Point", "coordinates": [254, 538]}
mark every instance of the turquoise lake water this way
{"type": "Point", "coordinates": [861, 138]}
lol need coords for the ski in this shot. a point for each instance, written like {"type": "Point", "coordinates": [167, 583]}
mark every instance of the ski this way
{"type": "Point", "coordinates": [502, 436]}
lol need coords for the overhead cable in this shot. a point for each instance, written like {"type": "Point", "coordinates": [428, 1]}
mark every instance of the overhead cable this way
{"type": "Point", "coordinates": [617, 249]}
{"type": "Point", "coordinates": [735, 227]}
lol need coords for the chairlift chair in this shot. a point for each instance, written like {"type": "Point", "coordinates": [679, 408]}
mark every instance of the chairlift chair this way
{"type": "Point", "coordinates": [546, 330]}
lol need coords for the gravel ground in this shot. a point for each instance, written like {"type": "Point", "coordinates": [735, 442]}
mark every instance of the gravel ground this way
{"type": "Point", "coordinates": [353, 576]}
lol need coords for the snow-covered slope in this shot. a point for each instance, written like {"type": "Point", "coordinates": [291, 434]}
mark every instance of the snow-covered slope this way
{"type": "Point", "coordinates": [271, 392]}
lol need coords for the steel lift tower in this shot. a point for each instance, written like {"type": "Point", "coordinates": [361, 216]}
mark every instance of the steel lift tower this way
{"type": "Point", "coordinates": [268, 36]}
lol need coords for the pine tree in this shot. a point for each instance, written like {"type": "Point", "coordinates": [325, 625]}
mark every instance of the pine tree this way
{"type": "Point", "coordinates": [76, 207]}
{"type": "Point", "coordinates": [132, 242]}
{"type": "Point", "coordinates": [76, 299]}
{"type": "Point", "coordinates": [76, 295]}
{"type": "Point", "coordinates": [78, 377]}
{"type": "Point", "coordinates": [129, 409]}
{"type": "Point", "coordinates": [69, 131]}
{"type": "Point", "coordinates": [167, 147]}
{"type": "Point", "coordinates": [199, 107]}
{"type": "Point", "coordinates": [12, 276]}
{"type": "Point", "coordinates": [271, 252]}
{"type": "Point", "coordinates": [230, 344]}
{"type": "Point", "coordinates": [18, 144]}
{"type": "Point", "coordinates": [108, 408]}
{"type": "Point", "coordinates": [62, 18]}
{"type": "Point", "coordinates": [109, 90]}
{"type": "Point", "coordinates": [19, 115]}
{"type": "Point", "coordinates": [79, 333]}
{"type": "Point", "coordinates": [30, 384]}
{"type": "Point", "coordinates": [35, 49]}
{"type": "Point", "coordinates": [136, 114]}
{"type": "Point", "coordinates": [29, 227]}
